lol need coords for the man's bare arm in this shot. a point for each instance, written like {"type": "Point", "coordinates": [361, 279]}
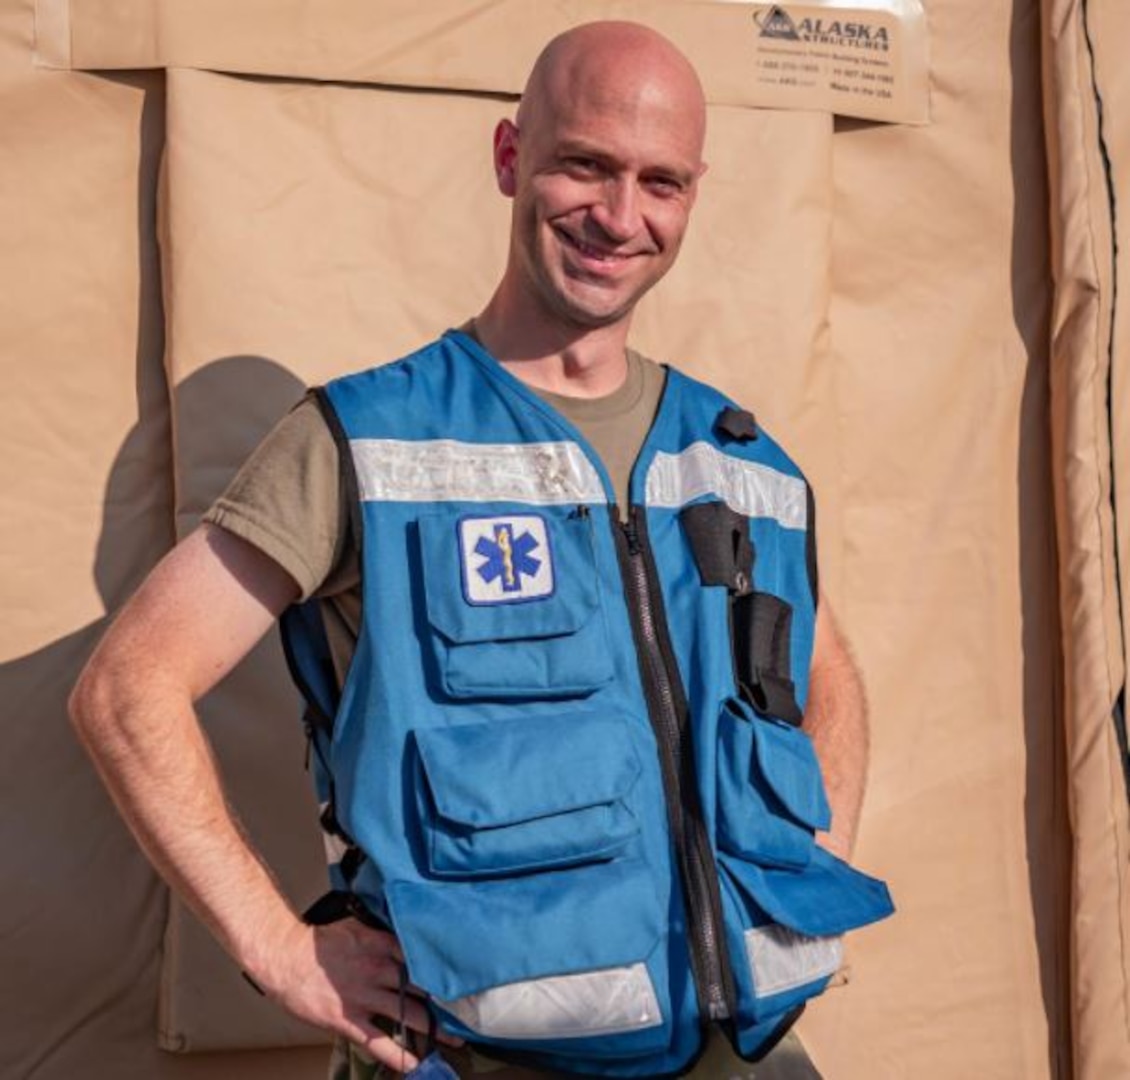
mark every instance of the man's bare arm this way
{"type": "Point", "coordinates": [199, 612]}
{"type": "Point", "coordinates": [836, 720]}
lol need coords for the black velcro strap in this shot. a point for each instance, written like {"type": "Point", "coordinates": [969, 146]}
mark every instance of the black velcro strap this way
{"type": "Point", "coordinates": [330, 908]}
{"type": "Point", "coordinates": [351, 862]}
{"type": "Point", "coordinates": [762, 628]}
{"type": "Point", "coordinates": [762, 632]}
{"type": "Point", "coordinates": [337, 905]}
{"type": "Point", "coordinates": [720, 543]}
{"type": "Point", "coordinates": [771, 695]}
{"type": "Point", "coordinates": [739, 424]}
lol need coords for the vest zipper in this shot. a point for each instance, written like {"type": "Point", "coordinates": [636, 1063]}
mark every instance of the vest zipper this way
{"type": "Point", "coordinates": [668, 712]}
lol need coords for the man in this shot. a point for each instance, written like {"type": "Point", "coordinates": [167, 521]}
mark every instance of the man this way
{"type": "Point", "coordinates": [521, 716]}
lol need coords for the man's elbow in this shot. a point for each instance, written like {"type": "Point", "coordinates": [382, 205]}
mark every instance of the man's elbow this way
{"type": "Point", "coordinates": [109, 692]}
{"type": "Point", "coordinates": [90, 703]}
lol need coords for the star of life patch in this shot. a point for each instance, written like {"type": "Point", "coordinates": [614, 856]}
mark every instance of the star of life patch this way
{"type": "Point", "coordinates": [506, 559]}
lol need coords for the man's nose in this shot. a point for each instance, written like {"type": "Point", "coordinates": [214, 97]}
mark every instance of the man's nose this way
{"type": "Point", "coordinates": [617, 211]}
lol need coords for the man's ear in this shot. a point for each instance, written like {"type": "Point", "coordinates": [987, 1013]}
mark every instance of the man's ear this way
{"type": "Point", "coordinates": [694, 184]}
{"type": "Point", "coordinates": [506, 157]}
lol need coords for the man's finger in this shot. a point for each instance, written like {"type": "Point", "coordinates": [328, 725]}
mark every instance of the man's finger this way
{"type": "Point", "coordinates": [380, 942]}
{"type": "Point", "coordinates": [383, 1048]}
{"type": "Point", "coordinates": [410, 1011]}
{"type": "Point", "coordinates": [388, 1051]}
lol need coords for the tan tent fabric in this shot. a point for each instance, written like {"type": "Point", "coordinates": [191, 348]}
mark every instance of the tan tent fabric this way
{"type": "Point", "coordinates": [1092, 641]}
{"type": "Point", "coordinates": [86, 511]}
{"type": "Point", "coordinates": [911, 310]}
{"type": "Point", "coordinates": [1110, 28]}
{"type": "Point", "coordinates": [943, 567]}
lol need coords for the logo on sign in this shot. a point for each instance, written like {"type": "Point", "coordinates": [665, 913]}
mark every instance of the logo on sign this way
{"type": "Point", "coordinates": [776, 23]}
{"type": "Point", "coordinates": [505, 559]}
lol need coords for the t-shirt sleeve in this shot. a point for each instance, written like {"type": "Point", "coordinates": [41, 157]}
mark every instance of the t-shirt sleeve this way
{"type": "Point", "coordinates": [286, 501]}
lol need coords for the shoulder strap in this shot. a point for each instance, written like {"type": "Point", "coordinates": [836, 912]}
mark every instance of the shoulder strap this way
{"type": "Point", "coordinates": [308, 657]}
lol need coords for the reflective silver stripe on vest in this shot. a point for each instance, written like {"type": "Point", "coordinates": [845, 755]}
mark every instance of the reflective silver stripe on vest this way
{"type": "Point", "coordinates": [606, 1002]}
{"type": "Point", "coordinates": [781, 959]}
{"type": "Point", "coordinates": [444, 470]}
{"type": "Point", "coordinates": [745, 486]}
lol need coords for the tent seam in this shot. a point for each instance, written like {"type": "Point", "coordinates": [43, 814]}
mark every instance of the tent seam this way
{"type": "Point", "coordinates": [1093, 256]}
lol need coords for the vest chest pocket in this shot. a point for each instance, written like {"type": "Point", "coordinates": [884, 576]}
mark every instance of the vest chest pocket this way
{"type": "Point", "coordinates": [513, 606]}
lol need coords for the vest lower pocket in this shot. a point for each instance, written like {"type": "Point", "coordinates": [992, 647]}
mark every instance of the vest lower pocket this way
{"type": "Point", "coordinates": [771, 796]}
{"type": "Point", "coordinates": [536, 918]}
{"type": "Point", "coordinates": [787, 925]}
{"type": "Point", "coordinates": [572, 961]}
{"type": "Point", "coordinates": [543, 634]}
{"type": "Point", "coordinates": [787, 900]}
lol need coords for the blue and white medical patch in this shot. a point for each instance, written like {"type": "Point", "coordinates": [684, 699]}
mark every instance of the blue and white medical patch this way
{"type": "Point", "coordinates": [505, 560]}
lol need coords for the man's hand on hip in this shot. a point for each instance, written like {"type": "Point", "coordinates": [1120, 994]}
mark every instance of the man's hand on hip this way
{"type": "Point", "coordinates": [345, 976]}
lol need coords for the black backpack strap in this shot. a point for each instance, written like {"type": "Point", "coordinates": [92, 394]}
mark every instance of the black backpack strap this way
{"type": "Point", "coordinates": [307, 650]}
{"type": "Point", "coordinates": [308, 656]}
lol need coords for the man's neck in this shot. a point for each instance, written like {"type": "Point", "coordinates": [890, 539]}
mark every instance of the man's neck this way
{"type": "Point", "coordinates": [574, 362]}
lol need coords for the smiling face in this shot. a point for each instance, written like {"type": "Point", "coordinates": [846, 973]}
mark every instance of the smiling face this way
{"type": "Point", "coordinates": [602, 166]}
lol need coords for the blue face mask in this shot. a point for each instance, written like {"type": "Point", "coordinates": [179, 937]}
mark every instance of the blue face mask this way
{"type": "Point", "coordinates": [433, 1067]}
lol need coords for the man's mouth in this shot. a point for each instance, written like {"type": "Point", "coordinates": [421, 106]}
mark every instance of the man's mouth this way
{"type": "Point", "coordinates": [592, 251]}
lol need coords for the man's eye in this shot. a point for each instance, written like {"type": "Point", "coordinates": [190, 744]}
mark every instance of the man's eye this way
{"type": "Point", "coordinates": [663, 186]}
{"type": "Point", "coordinates": [582, 166]}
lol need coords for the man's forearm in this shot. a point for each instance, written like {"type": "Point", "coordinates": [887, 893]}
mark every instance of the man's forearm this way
{"type": "Point", "coordinates": [193, 619]}
{"type": "Point", "coordinates": [150, 751]}
{"type": "Point", "coordinates": [836, 721]}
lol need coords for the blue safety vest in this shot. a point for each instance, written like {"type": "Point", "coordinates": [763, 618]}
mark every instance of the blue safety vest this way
{"type": "Point", "coordinates": [565, 767]}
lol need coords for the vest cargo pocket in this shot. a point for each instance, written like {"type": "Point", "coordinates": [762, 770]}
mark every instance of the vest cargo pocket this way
{"type": "Point", "coordinates": [491, 807]}
{"type": "Point", "coordinates": [566, 958]}
{"type": "Point", "coordinates": [771, 796]}
{"type": "Point", "coordinates": [513, 606]}
{"type": "Point", "coordinates": [537, 916]}
{"type": "Point", "coordinates": [788, 900]}
{"type": "Point", "coordinates": [789, 926]}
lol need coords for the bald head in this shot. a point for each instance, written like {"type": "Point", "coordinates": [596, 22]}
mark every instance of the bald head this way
{"type": "Point", "coordinates": [614, 67]}
{"type": "Point", "coordinates": [603, 166]}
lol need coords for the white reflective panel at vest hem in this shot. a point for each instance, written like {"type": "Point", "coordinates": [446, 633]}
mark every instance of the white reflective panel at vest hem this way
{"type": "Point", "coordinates": [333, 845]}
{"type": "Point", "coordinates": [781, 959]}
{"type": "Point", "coordinates": [445, 470]}
{"type": "Point", "coordinates": [748, 487]}
{"type": "Point", "coordinates": [606, 1002]}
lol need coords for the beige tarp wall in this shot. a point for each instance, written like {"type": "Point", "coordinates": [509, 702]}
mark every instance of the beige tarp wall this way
{"type": "Point", "coordinates": [914, 311]}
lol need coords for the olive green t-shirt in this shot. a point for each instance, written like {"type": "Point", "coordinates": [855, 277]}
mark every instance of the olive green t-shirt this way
{"type": "Point", "coordinates": [286, 500]}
